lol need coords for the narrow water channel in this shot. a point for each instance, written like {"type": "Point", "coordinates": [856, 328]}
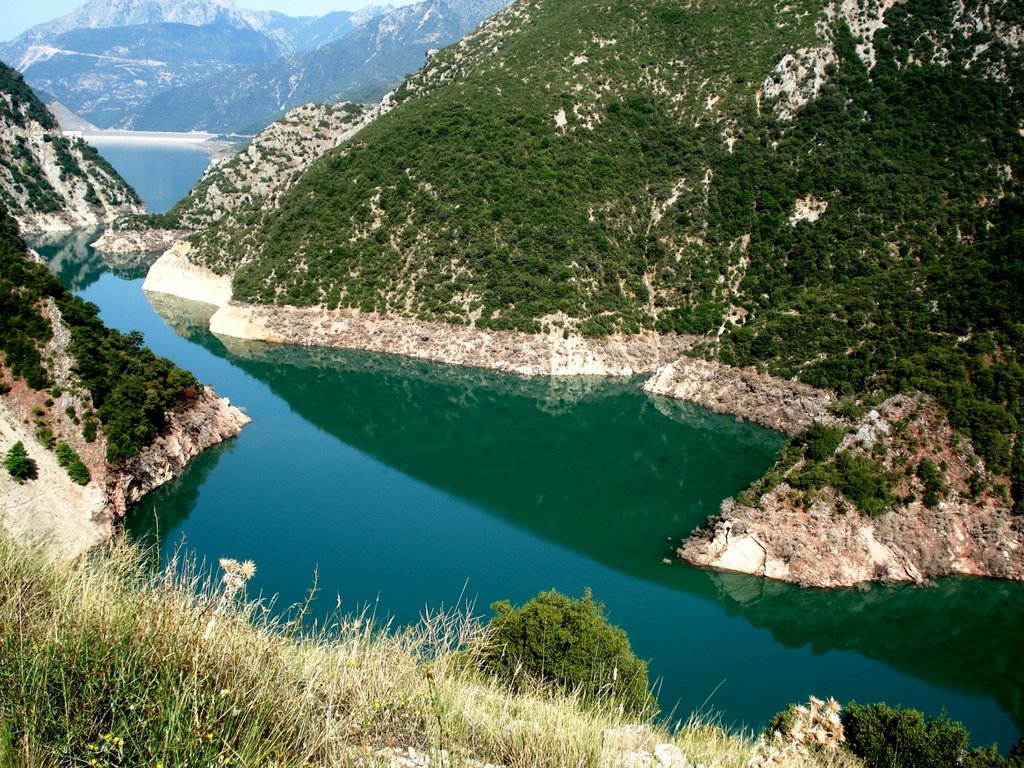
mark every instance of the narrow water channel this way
{"type": "Point", "coordinates": [405, 485]}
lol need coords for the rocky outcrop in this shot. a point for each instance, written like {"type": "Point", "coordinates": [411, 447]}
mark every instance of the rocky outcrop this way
{"type": "Point", "coordinates": [819, 539]}
{"type": "Point", "coordinates": [52, 510]}
{"type": "Point", "coordinates": [206, 422]}
{"type": "Point", "coordinates": [50, 182]}
{"type": "Point", "coordinates": [134, 241]}
{"type": "Point", "coordinates": [785, 406]}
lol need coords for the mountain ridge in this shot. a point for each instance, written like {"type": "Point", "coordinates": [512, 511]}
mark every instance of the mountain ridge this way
{"type": "Point", "coordinates": [50, 182]}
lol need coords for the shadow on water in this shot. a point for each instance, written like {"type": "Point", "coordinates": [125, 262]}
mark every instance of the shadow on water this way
{"type": "Point", "coordinates": [961, 633]}
{"type": "Point", "coordinates": [590, 463]}
{"type": "Point", "coordinates": [172, 503]}
{"type": "Point", "coordinates": [601, 469]}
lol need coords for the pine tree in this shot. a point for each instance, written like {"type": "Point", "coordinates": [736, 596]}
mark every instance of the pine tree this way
{"type": "Point", "coordinates": [18, 464]}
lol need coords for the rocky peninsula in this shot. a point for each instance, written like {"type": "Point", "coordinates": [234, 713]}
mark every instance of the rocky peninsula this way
{"type": "Point", "coordinates": [812, 539]}
{"type": "Point", "coordinates": [49, 508]}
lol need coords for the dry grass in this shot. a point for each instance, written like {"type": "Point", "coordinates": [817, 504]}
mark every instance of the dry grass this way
{"type": "Point", "coordinates": [105, 663]}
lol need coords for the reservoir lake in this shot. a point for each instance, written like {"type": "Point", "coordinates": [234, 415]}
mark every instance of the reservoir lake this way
{"type": "Point", "coordinates": [398, 486]}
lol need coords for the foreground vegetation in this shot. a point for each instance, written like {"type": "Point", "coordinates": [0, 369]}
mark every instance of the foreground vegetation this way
{"type": "Point", "coordinates": [105, 663]}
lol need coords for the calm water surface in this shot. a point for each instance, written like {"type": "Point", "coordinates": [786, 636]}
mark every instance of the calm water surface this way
{"type": "Point", "coordinates": [405, 486]}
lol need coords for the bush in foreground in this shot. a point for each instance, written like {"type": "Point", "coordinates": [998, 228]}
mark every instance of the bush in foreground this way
{"type": "Point", "coordinates": [891, 737]}
{"type": "Point", "coordinates": [570, 643]}
{"type": "Point", "coordinates": [106, 661]}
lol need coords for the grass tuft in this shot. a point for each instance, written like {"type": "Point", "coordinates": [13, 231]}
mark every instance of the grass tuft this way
{"type": "Point", "coordinates": [108, 663]}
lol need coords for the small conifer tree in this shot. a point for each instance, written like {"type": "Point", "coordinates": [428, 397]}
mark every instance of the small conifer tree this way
{"type": "Point", "coordinates": [18, 464]}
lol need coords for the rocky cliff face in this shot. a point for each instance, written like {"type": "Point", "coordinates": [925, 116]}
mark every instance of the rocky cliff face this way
{"type": "Point", "coordinates": [50, 182]}
{"type": "Point", "coordinates": [51, 509]}
{"type": "Point", "coordinates": [208, 421]}
{"type": "Point", "coordinates": [816, 537]}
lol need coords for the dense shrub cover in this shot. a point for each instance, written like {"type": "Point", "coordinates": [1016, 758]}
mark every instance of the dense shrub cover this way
{"type": "Point", "coordinates": [891, 737]}
{"type": "Point", "coordinates": [468, 203]}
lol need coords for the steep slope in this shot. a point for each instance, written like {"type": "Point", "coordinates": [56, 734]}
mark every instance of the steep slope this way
{"type": "Point", "coordinates": [360, 66]}
{"type": "Point", "coordinates": [102, 418]}
{"type": "Point", "coordinates": [48, 181]}
{"type": "Point", "coordinates": [829, 191]}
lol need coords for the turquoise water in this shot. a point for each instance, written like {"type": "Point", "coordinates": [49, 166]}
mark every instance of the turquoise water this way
{"type": "Point", "coordinates": [161, 174]}
{"type": "Point", "coordinates": [405, 486]}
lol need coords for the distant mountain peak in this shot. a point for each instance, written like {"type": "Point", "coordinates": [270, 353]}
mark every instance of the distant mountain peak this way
{"type": "Point", "coordinates": [102, 14]}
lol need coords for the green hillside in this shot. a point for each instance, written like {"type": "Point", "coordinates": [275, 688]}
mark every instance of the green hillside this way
{"type": "Point", "coordinates": [44, 172]}
{"type": "Point", "coordinates": [126, 390]}
{"type": "Point", "coordinates": [622, 166]}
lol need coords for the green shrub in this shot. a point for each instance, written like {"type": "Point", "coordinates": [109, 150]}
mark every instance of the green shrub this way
{"type": "Point", "coordinates": [821, 441]}
{"type": "Point", "coordinates": [72, 462]}
{"type": "Point", "coordinates": [570, 643]}
{"type": "Point", "coordinates": [887, 737]}
{"type": "Point", "coordinates": [931, 479]}
{"type": "Point", "coordinates": [18, 464]}
{"type": "Point", "coordinates": [864, 482]}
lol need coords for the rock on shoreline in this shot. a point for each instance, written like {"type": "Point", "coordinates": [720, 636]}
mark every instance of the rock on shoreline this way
{"type": "Point", "coordinates": [817, 539]}
{"type": "Point", "coordinates": [525, 354]}
{"type": "Point", "coordinates": [135, 241]}
{"type": "Point", "coordinates": [785, 406]}
{"type": "Point", "coordinates": [209, 420]}
{"type": "Point", "coordinates": [52, 510]}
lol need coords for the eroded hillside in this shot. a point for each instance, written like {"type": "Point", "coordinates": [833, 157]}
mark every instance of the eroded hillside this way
{"type": "Point", "coordinates": [49, 181]}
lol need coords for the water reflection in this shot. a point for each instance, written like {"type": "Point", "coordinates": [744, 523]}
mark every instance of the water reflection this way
{"type": "Point", "coordinates": [548, 456]}
{"type": "Point", "coordinates": [79, 266]}
{"type": "Point", "coordinates": [962, 633]}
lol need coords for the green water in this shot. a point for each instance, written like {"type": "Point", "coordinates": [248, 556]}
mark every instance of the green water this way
{"type": "Point", "coordinates": [405, 486]}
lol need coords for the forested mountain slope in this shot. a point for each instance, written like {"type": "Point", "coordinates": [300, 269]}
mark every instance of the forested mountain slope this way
{"type": "Point", "coordinates": [830, 191]}
{"type": "Point", "coordinates": [47, 180]}
{"type": "Point", "coordinates": [100, 419]}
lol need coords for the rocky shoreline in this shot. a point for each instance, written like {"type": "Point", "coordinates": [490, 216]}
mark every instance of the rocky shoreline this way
{"type": "Point", "coordinates": [814, 539]}
{"type": "Point", "coordinates": [781, 405]}
{"type": "Point", "coordinates": [780, 537]}
{"type": "Point", "coordinates": [36, 224]}
{"type": "Point", "coordinates": [50, 509]}
{"type": "Point", "coordinates": [136, 241]}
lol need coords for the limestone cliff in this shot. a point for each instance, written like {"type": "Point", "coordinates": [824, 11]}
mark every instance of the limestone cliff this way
{"type": "Point", "coordinates": [952, 518]}
{"type": "Point", "coordinates": [50, 182]}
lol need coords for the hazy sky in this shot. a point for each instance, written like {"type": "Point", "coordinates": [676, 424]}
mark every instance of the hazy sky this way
{"type": "Point", "coordinates": [18, 15]}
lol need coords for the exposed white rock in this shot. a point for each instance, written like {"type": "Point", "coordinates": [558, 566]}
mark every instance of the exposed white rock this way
{"type": "Point", "coordinates": [807, 209]}
{"type": "Point", "coordinates": [787, 406]}
{"type": "Point", "coordinates": [545, 354]}
{"type": "Point", "coordinates": [820, 539]}
{"type": "Point", "coordinates": [175, 274]}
